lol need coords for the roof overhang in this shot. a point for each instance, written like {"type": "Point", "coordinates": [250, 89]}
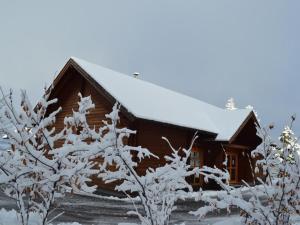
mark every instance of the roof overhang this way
{"type": "Point", "coordinates": [71, 63]}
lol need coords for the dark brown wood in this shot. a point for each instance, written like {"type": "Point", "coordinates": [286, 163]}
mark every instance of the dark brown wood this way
{"type": "Point", "coordinates": [72, 80]}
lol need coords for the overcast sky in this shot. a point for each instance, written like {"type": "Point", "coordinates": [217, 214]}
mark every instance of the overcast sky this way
{"type": "Point", "coordinates": [210, 50]}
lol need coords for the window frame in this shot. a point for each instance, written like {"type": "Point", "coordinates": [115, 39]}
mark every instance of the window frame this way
{"type": "Point", "coordinates": [196, 161]}
{"type": "Point", "coordinates": [233, 168]}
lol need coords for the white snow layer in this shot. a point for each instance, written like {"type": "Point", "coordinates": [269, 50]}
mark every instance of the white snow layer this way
{"type": "Point", "coordinates": [10, 217]}
{"type": "Point", "coordinates": [4, 145]}
{"type": "Point", "coordinates": [152, 102]}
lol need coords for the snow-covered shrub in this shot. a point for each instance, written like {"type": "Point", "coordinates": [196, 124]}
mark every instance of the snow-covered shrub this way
{"type": "Point", "coordinates": [276, 197]}
{"type": "Point", "coordinates": [230, 104]}
{"type": "Point", "coordinates": [36, 170]}
{"type": "Point", "coordinates": [254, 111]}
{"type": "Point", "coordinates": [158, 189]}
{"type": "Point", "coordinates": [10, 217]}
{"type": "Point", "coordinates": [280, 188]}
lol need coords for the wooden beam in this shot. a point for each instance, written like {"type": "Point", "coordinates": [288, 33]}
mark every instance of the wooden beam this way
{"type": "Point", "coordinates": [251, 115]}
{"type": "Point", "coordinates": [236, 146]}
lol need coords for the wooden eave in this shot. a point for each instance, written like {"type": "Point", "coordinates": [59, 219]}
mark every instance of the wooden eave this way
{"type": "Point", "coordinates": [181, 127]}
{"type": "Point", "coordinates": [72, 64]}
{"type": "Point", "coordinates": [250, 116]}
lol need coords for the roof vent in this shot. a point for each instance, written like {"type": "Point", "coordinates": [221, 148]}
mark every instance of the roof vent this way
{"type": "Point", "coordinates": [136, 74]}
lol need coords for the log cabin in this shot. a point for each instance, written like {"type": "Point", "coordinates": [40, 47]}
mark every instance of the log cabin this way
{"type": "Point", "coordinates": [156, 112]}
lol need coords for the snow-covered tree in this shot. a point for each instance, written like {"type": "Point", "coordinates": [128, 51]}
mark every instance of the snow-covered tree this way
{"type": "Point", "coordinates": [230, 105]}
{"type": "Point", "coordinates": [280, 188]}
{"type": "Point", "coordinates": [158, 189]}
{"type": "Point", "coordinates": [254, 111]}
{"type": "Point", "coordinates": [276, 197]}
{"type": "Point", "coordinates": [2, 135]}
{"type": "Point", "coordinates": [36, 170]}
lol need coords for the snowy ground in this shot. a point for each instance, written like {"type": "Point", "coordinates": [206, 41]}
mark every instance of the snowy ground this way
{"type": "Point", "coordinates": [106, 211]}
{"type": "Point", "coordinates": [100, 210]}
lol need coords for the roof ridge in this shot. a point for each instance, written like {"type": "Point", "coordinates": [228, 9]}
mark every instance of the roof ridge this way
{"type": "Point", "coordinates": [150, 101]}
{"type": "Point", "coordinates": [149, 83]}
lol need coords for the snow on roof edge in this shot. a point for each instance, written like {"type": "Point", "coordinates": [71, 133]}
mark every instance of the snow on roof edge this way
{"type": "Point", "coordinates": [77, 61]}
{"type": "Point", "coordinates": [220, 137]}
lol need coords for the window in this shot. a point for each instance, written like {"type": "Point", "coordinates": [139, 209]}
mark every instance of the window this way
{"type": "Point", "coordinates": [195, 161]}
{"type": "Point", "coordinates": [232, 166]}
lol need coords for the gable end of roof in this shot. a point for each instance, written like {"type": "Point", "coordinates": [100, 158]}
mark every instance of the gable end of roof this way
{"type": "Point", "coordinates": [144, 100]}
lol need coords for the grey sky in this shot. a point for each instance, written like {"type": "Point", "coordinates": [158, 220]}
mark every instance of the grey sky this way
{"type": "Point", "coordinates": [211, 50]}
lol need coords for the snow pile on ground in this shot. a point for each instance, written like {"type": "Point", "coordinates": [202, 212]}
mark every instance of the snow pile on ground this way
{"type": "Point", "coordinates": [127, 224]}
{"type": "Point", "coordinates": [223, 221]}
{"type": "Point", "coordinates": [4, 145]}
{"type": "Point", "coordinates": [124, 199]}
{"type": "Point", "coordinates": [74, 223]}
{"type": "Point", "coordinates": [234, 220]}
{"type": "Point", "coordinates": [10, 217]}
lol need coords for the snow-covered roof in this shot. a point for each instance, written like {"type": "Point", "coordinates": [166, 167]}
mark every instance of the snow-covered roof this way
{"type": "Point", "coordinates": [4, 144]}
{"type": "Point", "coordinates": [149, 101]}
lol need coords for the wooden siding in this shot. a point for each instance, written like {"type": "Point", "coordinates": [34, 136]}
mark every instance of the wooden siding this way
{"type": "Point", "coordinates": [68, 98]}
{"type": "Point", "coordinates": [244, 167]}
{"type": "Point", "coordinates": [149, 133]}
{"type": "Point", "coordinates": [247, 135]}
{"type": "Point", "coordinates": [213, 155]}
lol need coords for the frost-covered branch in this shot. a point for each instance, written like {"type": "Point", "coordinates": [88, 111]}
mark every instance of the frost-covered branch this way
{"type": "Point", "coordinates": [36, 169]}
{"type": "Point", "coordinates": [159, 188]}
{"type": "Point", "coordinates": [276, 197]}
